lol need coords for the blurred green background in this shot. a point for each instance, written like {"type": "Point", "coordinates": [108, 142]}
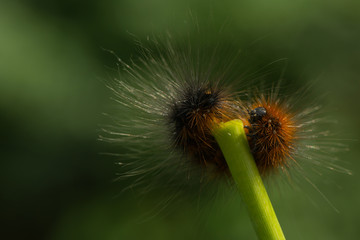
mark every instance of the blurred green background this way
{"type": "Point", "coordinates": [54, 184]}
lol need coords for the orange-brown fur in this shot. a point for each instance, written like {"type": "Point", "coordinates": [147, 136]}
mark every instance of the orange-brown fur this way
{"type": "Point", "coordinates": [272, 138]}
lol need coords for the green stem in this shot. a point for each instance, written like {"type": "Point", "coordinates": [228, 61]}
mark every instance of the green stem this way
{"type": "Point", "coordinates": [232, 140]}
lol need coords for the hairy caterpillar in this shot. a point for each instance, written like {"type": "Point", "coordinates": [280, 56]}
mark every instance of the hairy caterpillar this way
{"type": "Point", "coordinates": [171, 96]}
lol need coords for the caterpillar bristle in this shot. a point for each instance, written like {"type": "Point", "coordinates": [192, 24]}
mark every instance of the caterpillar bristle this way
{"type": "Point", "coordinates": [271, 134]}
{"type": "Point", "coordinates": [191, 117]}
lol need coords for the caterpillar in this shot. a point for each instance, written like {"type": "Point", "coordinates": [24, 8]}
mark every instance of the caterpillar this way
{"type": "Point", "coordinates": [169, 100]}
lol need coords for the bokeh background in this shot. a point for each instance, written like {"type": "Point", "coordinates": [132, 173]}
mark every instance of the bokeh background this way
{"type": "Point", "coordinates": [55, 184]}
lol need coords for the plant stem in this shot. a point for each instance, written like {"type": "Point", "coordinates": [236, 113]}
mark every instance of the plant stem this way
{"type": "Point", "coordinates": [232, 140]}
